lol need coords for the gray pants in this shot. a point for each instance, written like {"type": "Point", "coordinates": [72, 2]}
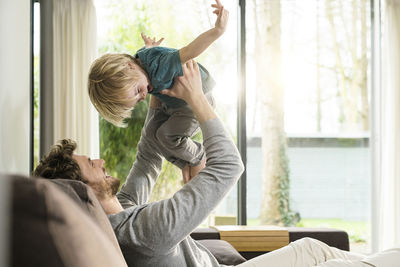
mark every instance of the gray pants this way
{"type": "Point", "coordinates": [175, 134]}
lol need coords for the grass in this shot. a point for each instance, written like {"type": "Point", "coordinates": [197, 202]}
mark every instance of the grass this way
{"type": "Point", "coordinates": [357, 230]}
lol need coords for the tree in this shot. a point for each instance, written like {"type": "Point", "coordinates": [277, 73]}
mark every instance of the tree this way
{"type": "Point", "coordinates": [275, 208]}
{"type": "Point", "coordinates": [349, 43]}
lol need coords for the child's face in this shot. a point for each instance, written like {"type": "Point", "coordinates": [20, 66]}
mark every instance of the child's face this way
{"type": "Point", "coordinates": [142, 87]}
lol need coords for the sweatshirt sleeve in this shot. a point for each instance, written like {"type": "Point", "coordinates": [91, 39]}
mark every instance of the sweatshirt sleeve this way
{"type": "Point", "coordinates": [147, 165]}
{"type": "Point", "coordinates": [160, 226]}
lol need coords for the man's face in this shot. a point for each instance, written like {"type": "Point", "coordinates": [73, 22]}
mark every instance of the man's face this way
{"type": "Point", "coordinates": [105, 186]}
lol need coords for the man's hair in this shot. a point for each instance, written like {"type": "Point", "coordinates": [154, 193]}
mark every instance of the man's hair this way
{"type": "Point", "coordinates": [58, 163]}
{"type": "Point", "coordinates": [110, 80]}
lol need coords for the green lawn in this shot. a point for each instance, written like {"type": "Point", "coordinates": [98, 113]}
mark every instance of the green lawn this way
{"type": "Point", "coordinates": [357, 230]}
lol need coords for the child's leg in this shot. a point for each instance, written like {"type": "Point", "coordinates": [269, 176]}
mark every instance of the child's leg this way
{"type": "Point", "coordinates": [305, 252]}
{"type": "Point", "coordinates": [174, 135]}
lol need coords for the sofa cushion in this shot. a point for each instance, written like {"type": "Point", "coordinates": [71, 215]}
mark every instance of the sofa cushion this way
{"type": "Point", "coordinates": [84, 196]}
{"type": "Point", "coordinates": [50, 229]}
{"type": "Point", "coordinates": [205, 233]}
{"type": "Point", "coordinates": [332, 237]}
{"type": "Point", "coordinates": [223, 251]}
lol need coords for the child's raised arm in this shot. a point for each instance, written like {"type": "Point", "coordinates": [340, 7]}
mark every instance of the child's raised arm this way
{"type": "Point", "coordinates": [204, 40]}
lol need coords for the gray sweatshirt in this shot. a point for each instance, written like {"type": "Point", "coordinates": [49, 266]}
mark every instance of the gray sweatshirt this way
{"type": "Point", "coordinates": [157, 234]}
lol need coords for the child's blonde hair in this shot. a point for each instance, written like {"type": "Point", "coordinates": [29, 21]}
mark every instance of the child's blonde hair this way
{"type": "Point", "coordinates": [110, 81]}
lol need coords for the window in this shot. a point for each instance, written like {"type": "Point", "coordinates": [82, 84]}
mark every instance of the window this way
{"type": "Point", "coordinates": [308, 115]}
{"type": "Point", "coordinates": [308, 104]}
{"type": "Point", "coordinates": [179, 22]}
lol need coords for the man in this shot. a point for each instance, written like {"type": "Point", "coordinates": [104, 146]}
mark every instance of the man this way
{"type": "Point", "coordinates": [157, 234]}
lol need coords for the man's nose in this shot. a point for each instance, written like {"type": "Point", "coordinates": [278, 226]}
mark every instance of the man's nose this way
{"type": "Point", "coordinates": [100, 162]}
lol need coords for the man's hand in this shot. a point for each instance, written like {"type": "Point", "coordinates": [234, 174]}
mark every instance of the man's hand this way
{"type": "Point", "coordinates": [149, 42]}
{"type": "Point", "coordinates": [186, 174]}
{"type": "Point", "coordinates": [222, 17]}
{"type": "Point", "coordinates": [188, 87]}
{"type": "Point", "coordinates": [191, 171]}
{"type": "Point", "coordinates": [194, 170]}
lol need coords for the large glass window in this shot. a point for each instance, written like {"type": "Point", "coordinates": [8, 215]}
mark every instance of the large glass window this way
{"type": "Point", "coordinates": [308, 105]}
{"type": "Point", "coordinates": [179, 22]}
{"type": "Point", "coordinates": [308, 102]}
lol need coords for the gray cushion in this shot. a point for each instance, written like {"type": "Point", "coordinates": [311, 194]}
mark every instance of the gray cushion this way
{"type": "Point", "coordinates": [84, 196]}
{"type": "Point", "coordinates": [223, 251]}
{"type": "Point", "coordinates": [50, 229]}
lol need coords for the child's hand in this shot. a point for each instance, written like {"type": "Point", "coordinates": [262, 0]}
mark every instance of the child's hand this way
{"type": "Point", "coordinates": [222, 16]}
{"type": "Point", "coordinates": [148, 42]}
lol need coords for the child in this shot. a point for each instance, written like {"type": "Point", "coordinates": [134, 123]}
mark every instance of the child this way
{"type": "Point", "coordinates": [117, 82]}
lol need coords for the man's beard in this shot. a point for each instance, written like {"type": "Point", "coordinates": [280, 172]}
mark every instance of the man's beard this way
{"type": "Point", "coordinates": [113, 184]}
{"type": "Point", "coordinates": [107, 188]}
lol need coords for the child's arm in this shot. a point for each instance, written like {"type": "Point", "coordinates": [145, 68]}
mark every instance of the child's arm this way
{"type": "Point", "coordinates": [204, 40]}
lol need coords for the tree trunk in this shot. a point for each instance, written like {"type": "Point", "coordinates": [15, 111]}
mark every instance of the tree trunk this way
{"type": "Point", "coordinates": [269, 81]}
{"type": "Point", "coordinates": [351, 64]}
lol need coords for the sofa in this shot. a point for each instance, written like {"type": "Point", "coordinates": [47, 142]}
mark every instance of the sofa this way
{"type": "Point", "coordinates": [61, 223]}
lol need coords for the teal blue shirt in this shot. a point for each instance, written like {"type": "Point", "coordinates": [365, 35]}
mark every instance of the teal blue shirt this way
{"type": "Point", "coordinates": [163, 64]}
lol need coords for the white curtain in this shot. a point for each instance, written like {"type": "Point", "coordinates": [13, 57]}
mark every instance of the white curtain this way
{"type": "Point", "coordinates": [387, 207]}
{"type": "Point", "coordinates": [74, 35]}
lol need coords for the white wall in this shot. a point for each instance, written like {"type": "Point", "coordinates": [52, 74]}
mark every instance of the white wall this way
{"type": "Point", "coordinates": [14, 102]}
{"type": "Point", "coordinates": [14, 86]}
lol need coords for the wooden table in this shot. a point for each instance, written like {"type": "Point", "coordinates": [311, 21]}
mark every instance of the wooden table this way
{"type": "Point", "coordinates": [254, 238]}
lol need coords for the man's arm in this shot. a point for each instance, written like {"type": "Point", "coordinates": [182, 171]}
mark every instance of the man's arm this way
{"type": "Point", "coordinates": [204, 40]}
{"type": "Point", "coordinates": [147, 165]}
{"type": "Point", "coordinates": [189, 89]}
{"type": "Point", "coordinates": [160, 226]}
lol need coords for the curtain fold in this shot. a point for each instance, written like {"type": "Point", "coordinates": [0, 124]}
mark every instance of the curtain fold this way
{"type": "Point", "coordinates": [388, 175]}
{"type": "Point", "coordinates": [74, 46]}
